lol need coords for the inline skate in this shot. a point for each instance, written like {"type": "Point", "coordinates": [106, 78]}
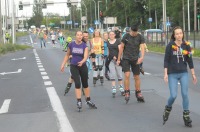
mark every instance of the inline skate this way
{"type": "Point", "coordinates": [166, 114]}
{"type": "Point", "coordinates": [139, 96]}
{"type": "Point", "coordinates": [186, 118]}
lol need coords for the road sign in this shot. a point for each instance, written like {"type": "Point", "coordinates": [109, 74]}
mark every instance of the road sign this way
{"type": "Point", "coordinates": [75, 24]}
{"type": "Point", "coordinates": [96, 22]}
{"type": "Point", "coordinates": [198, 16]}
{"type": "Point", "coordinates": [150, 19]}
{"type": "Point", "coordinates": [69, 22]}
{"type": "Point", "coordinates": [168, 23]}
{"type": "Point", "coordinates": [91, 30]}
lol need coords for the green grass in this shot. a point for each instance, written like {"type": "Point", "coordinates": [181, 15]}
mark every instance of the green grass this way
{"type": "Point", "coordinates": [21, 34]}
{"type": "Point", "coordinates": [6, 48]}
{"type": "Point", "coordinates": [161, 49]}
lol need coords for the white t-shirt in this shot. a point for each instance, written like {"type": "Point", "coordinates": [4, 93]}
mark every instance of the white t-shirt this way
{"type": "Point", "coordinates": [53, 36]}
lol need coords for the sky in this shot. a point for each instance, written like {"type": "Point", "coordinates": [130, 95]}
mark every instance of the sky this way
{"type": "Point", "coordinates": [61, 9]}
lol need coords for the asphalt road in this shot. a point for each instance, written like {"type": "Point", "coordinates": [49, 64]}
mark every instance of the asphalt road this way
{"type": "Point", "coordinates": [32, 91]}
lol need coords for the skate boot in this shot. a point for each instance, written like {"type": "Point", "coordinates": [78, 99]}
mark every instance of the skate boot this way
{"type": "Point", "coordinates": [94, 80]}
{"type": "Point", "coordinates": [114, 91]}
{"type": "Point", "coordinates": [166, 114]}
{"type": "Point", "coordinates": [121, 89]}
{"type": "Point", "coordinates": [139, 96]}
{"type": "Point", "coordinates": [186, 118]}
{"type": "Point", "coordinates": [101, 80]}
{"type": "Point", "coordinates": [127, 95]}
{"type": "Point", "coordinates": [79, 106]}
{"type": "Point", "coordinates": [91, 104]}
{"type": "Point", "coordinates": [142, 70]}
{"type": "Point", "coordinates": [107, 77]}
{"type": "Point", "coordinates": [67, 88]}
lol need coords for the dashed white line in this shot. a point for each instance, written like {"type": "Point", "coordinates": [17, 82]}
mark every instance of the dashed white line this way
{"type": "Point", "coordinates": [39, 63]}
{"type": "Point", "coordinates": [45, 77]}
{"type": "Point", "coordinates": [40, 66]}
{"type": "Point", "coordinates": [65, 125]}
{"type": "Point", "coordinates": [5, 106]}
{"type": "Point", "coordinates": [42, 69]}
{"type": "Point", "coordinates": [43, 73]}
{"type": "Point", "coordinates": [47, 83]}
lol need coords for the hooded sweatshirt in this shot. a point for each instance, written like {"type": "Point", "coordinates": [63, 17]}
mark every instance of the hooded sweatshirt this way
{"type": "Point", "coordinates": [177, 58]}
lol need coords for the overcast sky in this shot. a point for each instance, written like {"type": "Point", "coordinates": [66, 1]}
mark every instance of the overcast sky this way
{"type": "Point", "coordinates": [61, 9]}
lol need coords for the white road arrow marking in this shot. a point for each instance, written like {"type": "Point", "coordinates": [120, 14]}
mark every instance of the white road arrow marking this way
{"type": "Point", "coordinates": [5, 106]}
{"type": "Point", "coordinates": [19, 58]}
{"type": "Point", "coordinates": [4, 73]}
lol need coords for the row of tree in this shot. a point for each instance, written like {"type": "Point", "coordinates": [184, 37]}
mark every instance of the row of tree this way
{"type": "Point", "coordinates": [128, 12]}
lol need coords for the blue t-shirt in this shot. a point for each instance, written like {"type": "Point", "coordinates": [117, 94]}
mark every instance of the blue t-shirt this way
{"type": "Point", "coordinates": [105, 48]}
{"type": "Point", "coordinates": [77, 52]}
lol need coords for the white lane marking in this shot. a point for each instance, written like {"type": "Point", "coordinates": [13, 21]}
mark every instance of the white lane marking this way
{"type": "Point", "coordinates": [5, 106]}
{"type": "Point", "coordinates": [39, 63]}
{"type": "Point", "coordinates": [18, 71]}
{"type": "Point", "coordinates": [42, 69]}
{"type": "Point", "coordinates": [45, 77]}
{"type": "Point", "coordinates": [47, 83]}
{"type": "Point", "coordinates": [43, 73]}
{"type": "Point", "coordinates": [19, 58]}
{"type": "Point", "coordinates": [64, 123]}
{"type": "Point", "coordinates": [40, 66]}
{"type": "Point", "coordinates": [147, 73]}
{"type": "Point", "coordinates": [37, 59]}
{"type": "Point", "coordinates": [31, 40]}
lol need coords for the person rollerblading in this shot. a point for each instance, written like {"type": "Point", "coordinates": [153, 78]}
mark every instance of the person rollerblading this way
{"type": "Point", "coordinates": [139, 96]}
{"type": "Point", "coordinates": [94, 80]}
{"type": "Point", "coordinates": [186, 118]}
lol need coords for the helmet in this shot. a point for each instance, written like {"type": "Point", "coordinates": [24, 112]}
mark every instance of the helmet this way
{"type": "Point", "coordinates": [69, 39]}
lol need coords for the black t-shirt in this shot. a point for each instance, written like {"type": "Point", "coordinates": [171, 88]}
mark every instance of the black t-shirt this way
{"type": "Point", "coordinates": [113, 49]}
{"type": "Point", "coordinates": [132, 46]}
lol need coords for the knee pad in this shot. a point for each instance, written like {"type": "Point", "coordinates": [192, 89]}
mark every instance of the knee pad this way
{"type": "Point", "coordinates": [93, 55]}
{"type": "Point", "coordinates": [96, 68]}
{"type": "Point", "coordinates": [100, 68]}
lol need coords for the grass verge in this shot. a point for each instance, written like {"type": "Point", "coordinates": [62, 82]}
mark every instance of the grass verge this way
{"type": "Point", "coordinates": [161, 49]}
{"type": "Point", "coordinates": [6, 48]}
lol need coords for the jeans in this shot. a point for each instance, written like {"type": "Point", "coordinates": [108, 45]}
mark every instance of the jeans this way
{"type": "Point", "coordinates": [42, 41]}
{"type": "Point", "coordinates": [173, 79]}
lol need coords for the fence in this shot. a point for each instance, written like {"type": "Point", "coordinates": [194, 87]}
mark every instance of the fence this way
{"type": "Point", "coordinates": [163, 38]}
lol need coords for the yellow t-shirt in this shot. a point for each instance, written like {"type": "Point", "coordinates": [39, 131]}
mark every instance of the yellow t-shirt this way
{"type": "Point", "coordinates": [97, 46]}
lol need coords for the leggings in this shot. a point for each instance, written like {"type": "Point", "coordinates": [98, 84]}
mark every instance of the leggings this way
{"type": "Point", "coordinates": [80, 74]}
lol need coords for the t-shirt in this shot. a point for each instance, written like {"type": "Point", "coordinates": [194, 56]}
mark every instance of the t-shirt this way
{"type": "Point", "coordinates": [113, 49]}
{"type": "Point", "coordinates": [53, 36]}
{"type": "Point", "coordinates": [77, 52]}
{"type": "Point", "coordinates": [97, 46]}
{"type": "Point", "coordinates": [105, 48]}
{"type": "Point", "coordinates": [132, 46]}
{"type": "Point", "coordinates": [117, 34]}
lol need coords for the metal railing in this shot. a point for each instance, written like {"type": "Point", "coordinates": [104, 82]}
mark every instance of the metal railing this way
{"type": "Point", "coordinates": [164, 38]}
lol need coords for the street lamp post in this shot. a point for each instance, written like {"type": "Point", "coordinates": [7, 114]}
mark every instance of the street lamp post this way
{"type": "Point", "coordinates": [98, 14]}
{"type": "Point", "coordinates": [85, 12]}
{"type": "Point", "coordinates": [95, 6]}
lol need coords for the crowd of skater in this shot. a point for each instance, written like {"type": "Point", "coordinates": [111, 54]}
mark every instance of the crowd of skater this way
{"type": "Point", "coordinates": [114, 56]}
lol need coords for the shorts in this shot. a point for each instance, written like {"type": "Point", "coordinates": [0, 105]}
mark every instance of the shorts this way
{"type": "Point", "coordinates": [127, 64]}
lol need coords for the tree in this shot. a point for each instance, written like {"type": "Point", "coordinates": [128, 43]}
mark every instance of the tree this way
{"type": "Point", "coordinates": [37, 14]}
